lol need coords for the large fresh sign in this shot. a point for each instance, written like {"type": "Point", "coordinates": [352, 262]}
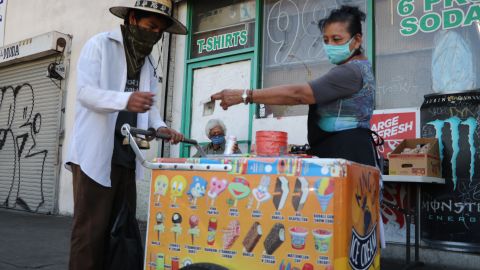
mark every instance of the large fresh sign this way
{"type": "Point", "coordinates": [394, 126]}
{"type": "Point", "coordinates": [436, 15]}
{"type": "Point", "coordinates": [3, 11]}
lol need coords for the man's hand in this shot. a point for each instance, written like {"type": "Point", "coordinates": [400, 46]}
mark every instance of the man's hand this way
{"type": "Point", "coordinates": [236, 149]}
{"type": "Point", "coordinates": [228, 97]}
{"type": "Point", "coordinates": [140, 102]}
{"type": "Point", "coordinates": [176, 137]}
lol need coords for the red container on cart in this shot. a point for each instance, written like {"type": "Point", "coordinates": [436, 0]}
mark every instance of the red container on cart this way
{"type": "Point", "coordinates": [175, 263]}
{"type": "Point", "coordinates": [271, 143]}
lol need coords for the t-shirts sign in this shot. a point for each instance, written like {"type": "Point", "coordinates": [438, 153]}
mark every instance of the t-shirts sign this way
{"type": "Point", "coordinates": [223, 40]}
{"type": "Point", "coordinates": [394, 126]}
{"type": "Point", "coordinates": [3, 11]}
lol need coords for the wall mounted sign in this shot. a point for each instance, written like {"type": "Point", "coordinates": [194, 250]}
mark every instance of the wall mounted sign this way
{"type": "Point", "coordinates": [395, 125]}
{"type": "Point", "coordinates": [28, 49]}
{"type": "Point", "coordinates": [436, 15]}
{"type": "Point", "coordinates": [223, 40]}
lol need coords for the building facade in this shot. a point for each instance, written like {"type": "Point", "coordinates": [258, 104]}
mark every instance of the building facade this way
{"type": "Point", "coordinates": [417, 48]}
{"type": "Point", "coordinates": [34, 139]}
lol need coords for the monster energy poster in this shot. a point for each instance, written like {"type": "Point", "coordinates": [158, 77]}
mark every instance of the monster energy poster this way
{"type": "Point", "coordinates": [451, 212]}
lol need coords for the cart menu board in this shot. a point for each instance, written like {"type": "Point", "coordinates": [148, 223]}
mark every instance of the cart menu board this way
{"type": "Point", "coordinates": [266, 214]}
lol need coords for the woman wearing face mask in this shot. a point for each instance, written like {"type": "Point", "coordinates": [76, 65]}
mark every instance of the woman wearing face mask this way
{"type": "Point", "coordinates": [340, 102]}
{"type": "Point", "coordinates": [215, 131]}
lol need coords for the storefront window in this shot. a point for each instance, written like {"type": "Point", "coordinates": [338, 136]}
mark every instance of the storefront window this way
{"type": "Point", "coordinates": [425, 47]}
{"type": "Point", "coordinates": [293, 45]}
{"type": "Point", "coordinates": [222, 25]}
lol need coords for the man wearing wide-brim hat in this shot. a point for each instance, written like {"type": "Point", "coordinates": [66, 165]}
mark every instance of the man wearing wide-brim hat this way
{"type": "Point", "coordinates": [115, 85]}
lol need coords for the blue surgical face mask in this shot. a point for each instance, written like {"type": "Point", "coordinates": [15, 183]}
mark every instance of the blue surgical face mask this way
{"type": "Point", "coordinates": [338, 53]}
{"type": "Point", "coordinates": [217, 140]}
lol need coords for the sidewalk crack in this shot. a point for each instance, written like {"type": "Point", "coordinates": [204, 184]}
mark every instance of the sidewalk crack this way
{"type": "Point", "coordinates": [25, 266]}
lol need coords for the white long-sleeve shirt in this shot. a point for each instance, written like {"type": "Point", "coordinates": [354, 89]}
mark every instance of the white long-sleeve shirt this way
{"type": "Point", "coordinates": [101, 80]}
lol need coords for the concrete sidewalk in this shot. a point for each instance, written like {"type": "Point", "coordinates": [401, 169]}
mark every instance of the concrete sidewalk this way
{"type": "Point", "coordinates": [32, 241]}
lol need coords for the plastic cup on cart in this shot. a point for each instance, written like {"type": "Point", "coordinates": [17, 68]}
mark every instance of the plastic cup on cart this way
{"type": "Point", "coordinates": [322, 240]}
{"type": "Point", "coordinates": [298, 235]}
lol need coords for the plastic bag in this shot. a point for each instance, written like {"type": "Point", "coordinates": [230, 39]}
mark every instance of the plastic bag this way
{"type": "Point", "coordinates": [125, 250]}
{"type": "Point", "coordinates": [452, 64]}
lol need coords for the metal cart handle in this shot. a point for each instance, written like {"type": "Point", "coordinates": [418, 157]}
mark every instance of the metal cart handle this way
{"type": "Point", "coordinates": [128, 132]}
{"type": "Point", "coordinates": [153, 133]}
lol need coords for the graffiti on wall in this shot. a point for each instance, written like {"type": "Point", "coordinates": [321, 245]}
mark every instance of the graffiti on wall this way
{"type": "Point", "coordinates": [18, 133]}
{"type": "Point", "coordinates": [394, 199]}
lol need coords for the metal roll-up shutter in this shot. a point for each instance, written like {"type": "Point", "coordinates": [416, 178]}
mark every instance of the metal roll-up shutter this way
{"type": "Point", "coordinates": [29, 135]}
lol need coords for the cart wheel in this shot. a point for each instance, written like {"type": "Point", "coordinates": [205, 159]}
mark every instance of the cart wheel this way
{"type": "Point", "coordinates": [203, 266]}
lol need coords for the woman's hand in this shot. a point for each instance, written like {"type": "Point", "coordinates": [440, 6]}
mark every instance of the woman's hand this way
{"type": "Point", "coordinates": [228, 97]}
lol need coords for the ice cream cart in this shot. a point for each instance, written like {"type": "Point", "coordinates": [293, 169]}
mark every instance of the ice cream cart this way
{"type": "Point", "coordinates": [280, 213]}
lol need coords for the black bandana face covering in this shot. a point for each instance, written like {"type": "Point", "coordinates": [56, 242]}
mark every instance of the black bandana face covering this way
{"type": "Point", "coordinates": [138, 45]}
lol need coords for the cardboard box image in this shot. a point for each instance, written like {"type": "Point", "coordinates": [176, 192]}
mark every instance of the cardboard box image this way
{"type": "Point", "coordinates": [405, 159]}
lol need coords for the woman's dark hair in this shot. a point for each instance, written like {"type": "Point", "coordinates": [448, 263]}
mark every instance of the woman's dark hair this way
{"type": "Point", "coordinates": [353, 16]}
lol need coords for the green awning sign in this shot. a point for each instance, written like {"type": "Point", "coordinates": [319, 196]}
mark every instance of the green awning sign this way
{"type": "Point", "coordinates": [452, 14]}
{"type": "Point", "coordinates": [223, 41]}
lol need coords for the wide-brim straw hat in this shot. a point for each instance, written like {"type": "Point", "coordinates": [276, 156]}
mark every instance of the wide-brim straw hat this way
{"type": "Point", "coordinates": [159, 7]}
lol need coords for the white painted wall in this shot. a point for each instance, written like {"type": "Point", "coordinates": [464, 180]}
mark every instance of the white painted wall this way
{"type": "Point", "coordinates": [3, 9]}
{"type": "Point", "coordinates": [179, 73]}
{"type": "Point", "coordinates": [206, 82]}
{"type": "Point", "coordinates": [81, 19]}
